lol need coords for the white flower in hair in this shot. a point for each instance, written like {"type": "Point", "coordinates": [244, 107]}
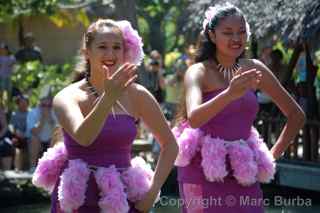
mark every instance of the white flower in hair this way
{"type": "Point", "coordinates": [213, 11]}
{"type": "Point", "coordinates": [209, 14]}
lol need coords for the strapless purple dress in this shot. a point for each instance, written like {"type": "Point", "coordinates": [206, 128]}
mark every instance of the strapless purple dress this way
{"type": "Point", "coordinates": [112, 147]}
{"type": "Point", "coordinates": [234, 122]}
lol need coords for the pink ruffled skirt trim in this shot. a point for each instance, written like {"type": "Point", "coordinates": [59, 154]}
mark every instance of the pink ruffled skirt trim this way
{"type": "Point", "coordinates": [116, 188]}
{"type": "Point", "coordinates": [250, 159]}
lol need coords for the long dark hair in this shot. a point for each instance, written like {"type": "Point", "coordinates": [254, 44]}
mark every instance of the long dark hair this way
{"type": "Point", "coordinates": [206, 49]}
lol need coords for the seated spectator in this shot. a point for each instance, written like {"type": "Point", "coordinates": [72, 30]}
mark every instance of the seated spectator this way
{"type": "Point", "coordinates": [18, 127]}
{"type": "Point", "coordinates": [41, 123]}
{"type": "Point", "coordinates": [6, 148]}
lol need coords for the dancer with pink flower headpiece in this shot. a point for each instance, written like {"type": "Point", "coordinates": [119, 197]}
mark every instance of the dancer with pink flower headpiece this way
{"type": "Point", "coordinates": [92, 170]}
{"type": "Point", "coordinates": [221, 157]}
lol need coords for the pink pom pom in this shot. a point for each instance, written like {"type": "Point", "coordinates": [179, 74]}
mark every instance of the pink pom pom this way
{"type": "Point", "coordinates": [113, 198]}
{"type": "Point", "coordinates": [132, 42]}
{"type": "Point", "coordinates": [266, 165]}
{"type": "Point", "coordinates": [49, 166]}
{"type": "Point", "coordinates": [137, 179]}
{"type": "Point", "coordinates": [177, 130]}
{"type": "Point", "coordinates": [188, 142]}
{"type": "Point", "coordinates": [213, 163]}
{"type": "Point", "coordinates": [264, 158]}
{"type": "Point", "coordinates": [242, 161]}
{"type": "Point", "coordinates": [254, 136]}
{"type": "Point", "coordinates": [73, 185]}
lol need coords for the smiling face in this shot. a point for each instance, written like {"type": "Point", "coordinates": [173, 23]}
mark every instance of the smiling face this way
{"type": "Point", "coordinates": [230, 36]}
{"type": "Point", "coordinates": [107, 49]}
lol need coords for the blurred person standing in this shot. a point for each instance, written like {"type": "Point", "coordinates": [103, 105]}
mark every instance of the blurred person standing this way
{"type": "Point", "coordinates": [173, 86]}
{"type": "Point", "coordinates": [154, 76]}
{"type": "Point", "coordinates": [7, 62]}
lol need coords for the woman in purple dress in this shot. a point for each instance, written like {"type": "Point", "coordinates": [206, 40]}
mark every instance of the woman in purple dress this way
{"type": "Point", "coordinates": [221, 157]}
{"type": "Point", "coordinates": [91, 171]}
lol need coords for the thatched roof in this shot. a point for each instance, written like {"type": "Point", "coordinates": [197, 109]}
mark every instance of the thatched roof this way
{"type": "Point", "coordinates": [289, 19]}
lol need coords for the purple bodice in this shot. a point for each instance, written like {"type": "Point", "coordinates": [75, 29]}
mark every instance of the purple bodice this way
{"type": "Point", "coordinates": [111, 147]}
{"type": "Point", "coordinates": [234, 122]}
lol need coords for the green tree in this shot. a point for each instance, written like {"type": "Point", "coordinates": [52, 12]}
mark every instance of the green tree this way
{"type": "Point", "coordinates": [24, 77]}
{"type": "Point", "coordinates": [161, 23]}
{"type": "Point", "coordinates": [15, 11]}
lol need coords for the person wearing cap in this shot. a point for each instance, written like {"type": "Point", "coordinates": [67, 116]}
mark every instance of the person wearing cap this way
{"type": "Point", "coordinates": [154, 76]}
{"type": "Point", "coordinates": [29, 52]}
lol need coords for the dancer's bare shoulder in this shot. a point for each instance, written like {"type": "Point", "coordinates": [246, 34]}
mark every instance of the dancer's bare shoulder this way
{"type": "Point", "coordinates": [248, 64]}
{"type": "Point", "coordinates": [135, 91]}
{"type": "Point", "coordinates": [73, 93]}
{"type": "Point", "coordinates": [72, 99]}
{"type": "Point", "coordinates": [196, 70]}
{"type": "Point", "coordinates": [195, 74]}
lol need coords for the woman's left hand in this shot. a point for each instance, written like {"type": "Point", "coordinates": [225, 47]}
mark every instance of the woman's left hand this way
{"type": "Point", "coordinates": [146, 203]}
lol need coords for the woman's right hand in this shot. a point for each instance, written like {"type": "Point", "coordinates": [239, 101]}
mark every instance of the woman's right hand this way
{"type": "Point", "coordinates": [116, 83]}
{"type": "Point", "coordinates": [242, 82]}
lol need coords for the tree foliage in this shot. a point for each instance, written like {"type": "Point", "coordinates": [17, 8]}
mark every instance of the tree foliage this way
{"type": "Point", "coordinates": [161, 23]}
{"type": "Point", "coordinates": [32, 77]}
{"type": "Point", "coordinates": [11, 9]}
{"type": "Point", "coordinates": [60, 12]}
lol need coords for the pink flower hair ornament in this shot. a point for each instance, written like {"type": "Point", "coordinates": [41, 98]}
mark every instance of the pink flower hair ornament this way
{"type": "Point", "coordinates": [132, 43]}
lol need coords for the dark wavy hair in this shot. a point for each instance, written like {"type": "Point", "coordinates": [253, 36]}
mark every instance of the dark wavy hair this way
{"type": "Point", "coordinates": [206, 49]}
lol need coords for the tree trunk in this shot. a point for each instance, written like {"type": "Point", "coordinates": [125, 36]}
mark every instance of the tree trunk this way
{"type": "Point", "coordinates": [20, 31]}
{"type": "Point", "coordinates": [254, 47]}
{"type": "Point", "coordinates": [156, 36]}
{"type": "Point", "coordinates": [287, 81]}
{"type": "Point", "coordinates": [126, 9]}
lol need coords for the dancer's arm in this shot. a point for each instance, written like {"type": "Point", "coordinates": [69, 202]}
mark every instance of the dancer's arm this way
{"type": "Point", "coordinates": [85, 129]}
{"type": "Point", "coordinates": [288, 106]}
{"type": "Point", "coordinates": [199, 113]}
{"type": "Point", "coordinates": [149, 112]}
